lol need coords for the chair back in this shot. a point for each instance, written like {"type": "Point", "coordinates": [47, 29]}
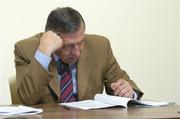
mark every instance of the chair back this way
{"type": "Point", "coordinates": [13, 89]}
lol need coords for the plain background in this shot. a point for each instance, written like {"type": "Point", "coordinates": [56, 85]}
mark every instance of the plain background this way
{"type": "Point", "coordinates": [144, 35]}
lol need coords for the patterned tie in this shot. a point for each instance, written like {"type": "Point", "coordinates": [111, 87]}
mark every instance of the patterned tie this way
{"type": "Point", "coordinates": [66, 83]}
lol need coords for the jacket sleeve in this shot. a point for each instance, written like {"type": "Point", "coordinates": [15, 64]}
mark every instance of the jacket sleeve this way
{"type": "Point", "coordinates": [32, 79]}
{"type": "Point", "coordinates": [113, 72]}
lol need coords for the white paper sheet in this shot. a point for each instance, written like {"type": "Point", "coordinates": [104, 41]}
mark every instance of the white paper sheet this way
{"type": "Point", "coordinates": [19, 110]}
{"type": "Point", "coordinates": [86, 104]}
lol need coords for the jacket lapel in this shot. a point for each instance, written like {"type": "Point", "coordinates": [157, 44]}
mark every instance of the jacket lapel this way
{"type": "Point", "coordinates": [54, 83]}
{"type": "Point", "coordinates": [84, 69]}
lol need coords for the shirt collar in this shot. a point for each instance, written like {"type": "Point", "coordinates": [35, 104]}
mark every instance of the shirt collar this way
{"type": "Point", "coordinates": [72, 66]}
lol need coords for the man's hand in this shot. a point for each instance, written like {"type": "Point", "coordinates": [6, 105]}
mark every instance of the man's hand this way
{"type": "Point", "coordinates": [50, 42]}
{"type": "Point", "coordinates": [122, 88]}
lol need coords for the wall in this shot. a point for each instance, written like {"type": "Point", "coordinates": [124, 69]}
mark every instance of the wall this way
{"type": "Point", "coordinates": [179, 53]}
{"type": "Point", "coordinates": [143, 35]}
{"type": "Point", "coordinates": [4, 88]}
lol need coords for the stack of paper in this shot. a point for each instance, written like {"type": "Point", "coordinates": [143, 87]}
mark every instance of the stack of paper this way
{"type": "Point", "coordinates": [103, 101]}
{"type": "Point", "coordinates": [19, 110]}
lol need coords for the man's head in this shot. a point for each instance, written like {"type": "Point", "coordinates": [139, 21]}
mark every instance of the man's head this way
{"type": "Point", "coordinates": [69, 25]}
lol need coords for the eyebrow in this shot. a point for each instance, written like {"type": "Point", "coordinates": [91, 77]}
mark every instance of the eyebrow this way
{"type": "Point", "coordinates": [73, 43]}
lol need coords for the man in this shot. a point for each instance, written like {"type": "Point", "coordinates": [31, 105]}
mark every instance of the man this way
{"type": "Point", "coordinates": [64, 64]}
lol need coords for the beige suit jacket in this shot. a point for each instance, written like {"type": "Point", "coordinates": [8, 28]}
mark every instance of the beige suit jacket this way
{"type": "Point", "coordinates": [97, 67]}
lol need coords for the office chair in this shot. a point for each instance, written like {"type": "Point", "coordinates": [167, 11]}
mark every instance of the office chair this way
{"type": "Point", "coordinates": [13, 89]}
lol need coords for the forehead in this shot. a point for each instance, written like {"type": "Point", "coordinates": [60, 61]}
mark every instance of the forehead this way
{"type": "Point", "coordinates": [73, 37]}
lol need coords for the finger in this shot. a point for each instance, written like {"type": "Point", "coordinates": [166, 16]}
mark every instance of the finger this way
{"type": "Point", "coordinates": [118, 90]}
{"type": "Point", "coordinates": [128, 94]}
{"type": "Point", "coordinates": [115, 85]}
{"type": "Point", "coordinates": [123, 89]}
{"type": "Point", "coordinates": [120, 86]}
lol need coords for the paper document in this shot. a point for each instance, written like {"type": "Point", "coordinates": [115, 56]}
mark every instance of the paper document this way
{"type": "Point", "coordinates": [87, 104]}
{"type": "Point", "coordinates": [19, 110]}
{"type": "Point", "coordinates": [104, 101]}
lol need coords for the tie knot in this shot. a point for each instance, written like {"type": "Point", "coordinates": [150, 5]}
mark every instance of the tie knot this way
{"type": "Point", "coordinates": [62, 67]}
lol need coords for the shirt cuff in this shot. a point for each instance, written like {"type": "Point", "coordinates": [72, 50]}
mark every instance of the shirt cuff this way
{"type": "Point", "coordinates": [43, 59]}
{"type": "Point", "coordinates": [135, 95]}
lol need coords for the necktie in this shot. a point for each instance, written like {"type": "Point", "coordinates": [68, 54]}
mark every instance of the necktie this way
{"type": "Point", "coordinates": [66, 83]}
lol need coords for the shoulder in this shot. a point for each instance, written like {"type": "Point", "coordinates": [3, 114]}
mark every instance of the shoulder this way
{"type": "Point", "coordinates": [28, 45]}
{"type": "Point", "coordinates": [30, 41]}
{"type": "Point", "coordinates": [96, 38]}
{"type": "Point", "coordinates": [97, 46]}
{"type": "Point", "coordinates": [92, 40]}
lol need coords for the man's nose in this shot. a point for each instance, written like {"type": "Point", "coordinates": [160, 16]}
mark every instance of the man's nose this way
{"type": "Point", "coordinates": [76, 49]}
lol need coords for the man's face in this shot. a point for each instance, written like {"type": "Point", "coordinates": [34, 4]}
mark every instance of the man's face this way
{"type": "Point", "coordinates": [72, 45]}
